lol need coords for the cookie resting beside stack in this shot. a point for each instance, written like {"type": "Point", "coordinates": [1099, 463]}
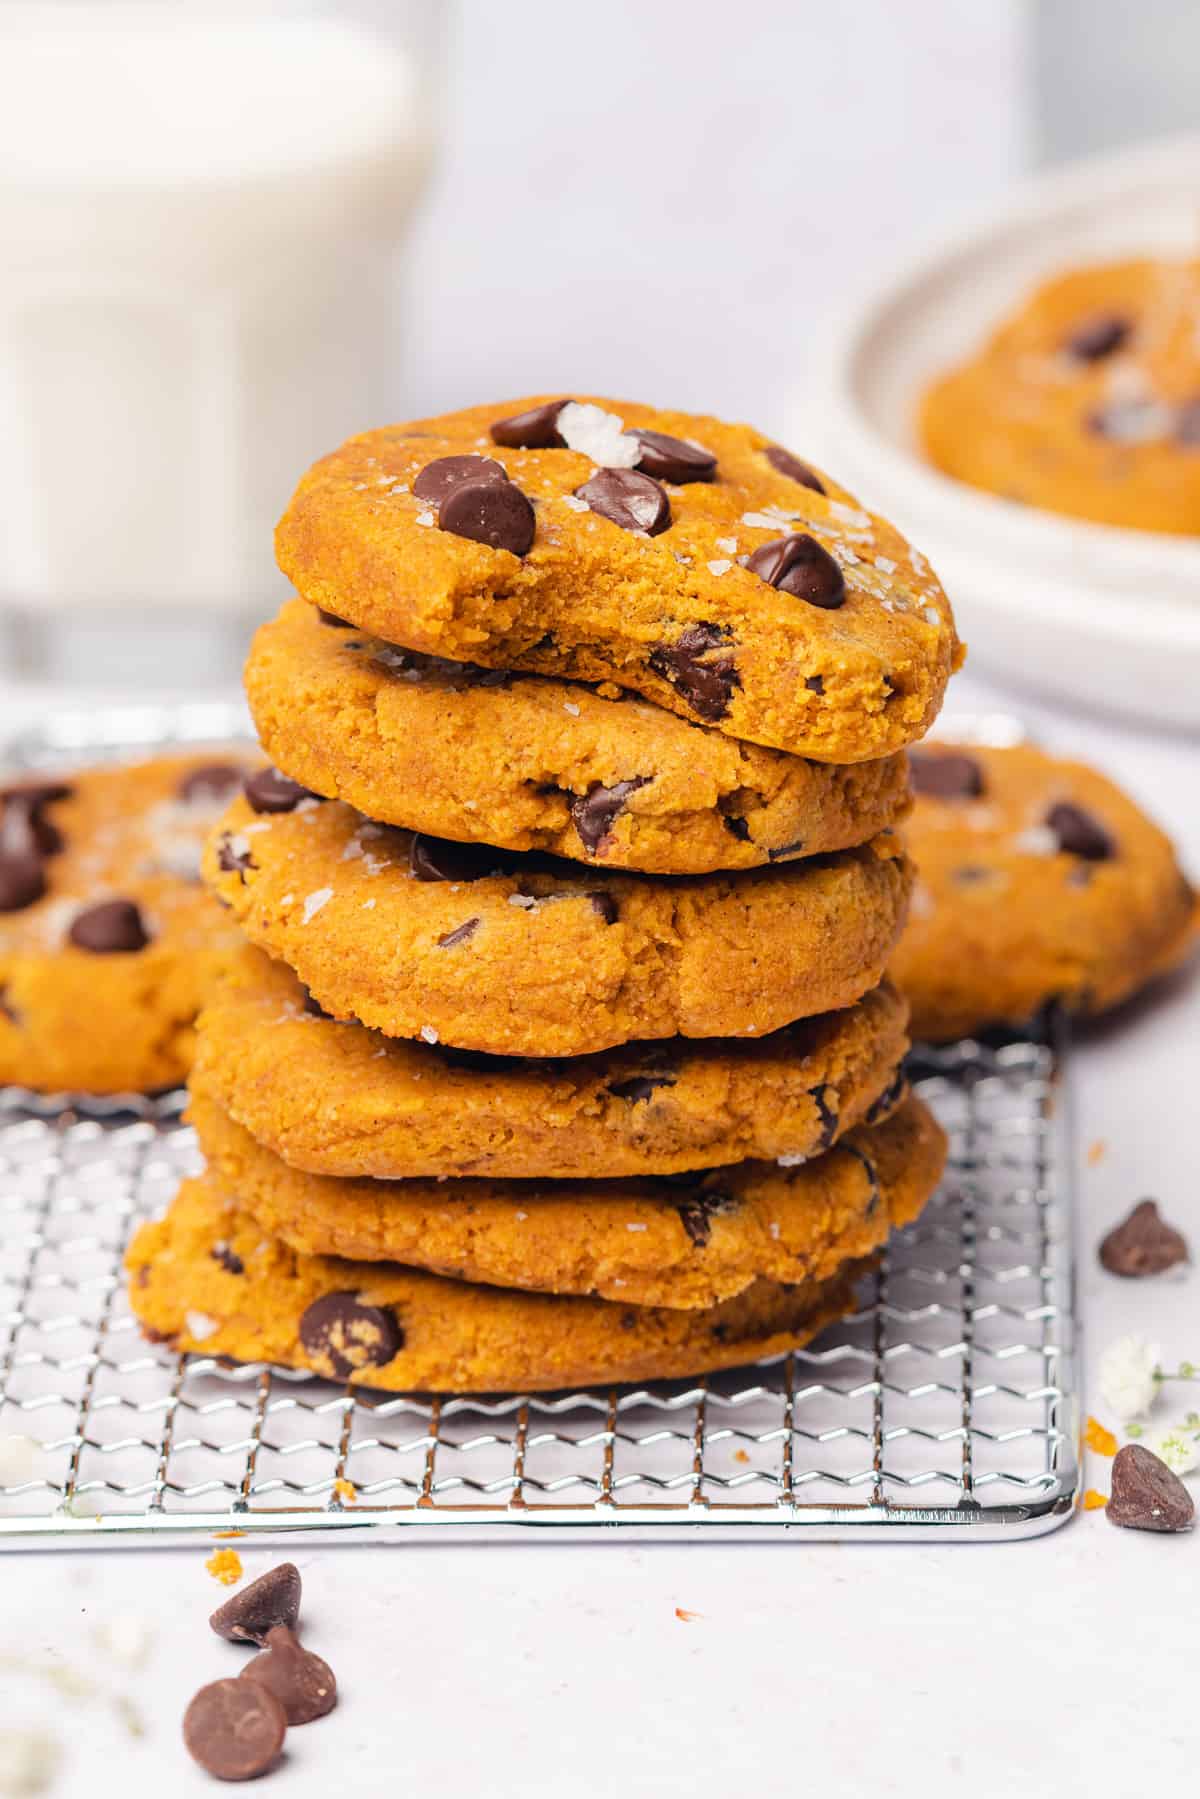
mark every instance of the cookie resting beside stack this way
{"type": "Point", "coordinates": [559, 1051]}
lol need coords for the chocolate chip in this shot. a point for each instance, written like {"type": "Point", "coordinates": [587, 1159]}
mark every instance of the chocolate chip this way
{"type": "Point", "coordinates": [536, 429]}
{"type": "Point", "coordinates": [706, 685]}
{"type": "Point", "coordinates": [1098, 337]}
{"type": "Point", "coordinates": [274, 1598]}
{"type": "Point", "coordinates": [791, 466]}
{"type": "Point", "coordinates": [7, 1009]}
{"type": "Point", "coordinates": [826, 1113]}
{"type": "Point", "coordinates": [815, 683]}
{"type": "Point", "coordinates": [629, 499]}
{"type": "Point", "coordinates": [213, 781]}
{"type": "Point", "coordinates": [606, 906]}
{"type": "Point", "coordinates": [798, 565]}
{"type": "Point", "coordinates": [1079, 834]}
{"type": "Point", "coordinates": [494, 513]}
{"type": "Point", "coordinates": [112, 928]}
{"type": "Point", "coordinates": [1187, 424]}
{"type": "Point", "coordinates": [1143, 1244]}
{"type": "Point", "coordinates": [696, 1214]}
{"type": "Point", "coordinates": [786, 849]}
{"type": "Point", "coordinates": [736, 826]}
{"type": "Point", "coordinates": [269, 790]}
{"type": "Point", "coordinates": [233, 855]}
{"type": "Point", "coordinates": [437, 479]}
{"type": "Point", "coordinates": [463, 934]}
{"type": "Point", "coordinates": [301, 1681]}
{"type": "Point", "coordinates": [25, 825]}
{"type": "Point", "coordinates": [343, 1334]}
{"type": "Point", "coordinates": [971, 874]}
{"type": "Point", "coordinates": [229, 1259]}
{"type": "Point", "coordinates": [22, 879]}
{"type": "Point", "coordinates": [872, 1174]}
{"type": "Point", "coordinates": [889, 1099]}
{"type": "Point", "coordinates": [234, 1729]}
{"type": "Point", "coordinates": [594, 813]}
{"type": "Point", "coordinates": [945, 775]}
{"type": "Point", "coordinates": [640, 1086]}
{"type": "Point", "coordinates": [674, 458]}
{"type": "Point", "coordinates": [332, 619]}
{"type": "Point", "coordinates": [1146, 1495]}
{"type": "Point", "coordinates": [437, 859]}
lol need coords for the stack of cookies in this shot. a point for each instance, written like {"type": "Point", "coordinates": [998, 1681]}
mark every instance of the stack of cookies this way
{"type": "Point", "coordinates": [560, 1050]}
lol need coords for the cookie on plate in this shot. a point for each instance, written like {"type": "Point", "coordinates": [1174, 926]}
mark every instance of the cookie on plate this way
{"type": "Point", "coordinates": [206, 1279]}
{"type": "Point", "coordinates": [693, 561]}
{"type": "Point", "coordinates": [337, 1099]}
{"type": "Point", "coordinates": [422, 938]}
{"type": "Point", "coordinates": [1086, 401]}
{"type": "Point", "coordinates": [685, 1241]}
{"type": "Point", "coordinates": [1038, 880]}
{"type": "Point", "coordinates": [531, 763]}
{"type": "Point", "coordinates": [109, 943]}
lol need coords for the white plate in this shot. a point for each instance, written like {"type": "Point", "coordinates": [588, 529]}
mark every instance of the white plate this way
{"type": "Point", "coordinates": [1110, 617]}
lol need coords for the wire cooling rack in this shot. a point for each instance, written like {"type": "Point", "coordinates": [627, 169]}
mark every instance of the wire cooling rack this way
{"type": "Point", "coordinates": [946, 1405]}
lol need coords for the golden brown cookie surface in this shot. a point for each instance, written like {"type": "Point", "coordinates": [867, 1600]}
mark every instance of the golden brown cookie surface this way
{"type": "Point", "coordinates": [207, 1279]}
{"type": "Point", "coordinates": [336, 1099]}
{"type": "Point", "coordinates": [736, 587]}
{"type": "Point", "coordinates": [419, 938]}
{"type": "Point", "coordinates": [1038, 880]}
{"type": "Point", "coordinates": [1085, 401]}
{"type": "Point", "coordinates": [688, 1242]}
{"type": "Point", "coordinates": [108, 942]}
{"type": "Point", "coordinates": [531, 763]}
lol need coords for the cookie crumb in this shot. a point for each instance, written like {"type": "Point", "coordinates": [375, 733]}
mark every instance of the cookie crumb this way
{"type": "Point", "coordinates": [1099, 1439]}
{"type": "Point", "coordinates": [225, 1565]}
{"type": "Point", "coordinates": [346, 1491]}
{"type": "Point", "coordinates": [1096, 1152]}
{"type": "Point", "coordinates": [1093, 1501]}
{"type": "Point", "coordinates": [686, 1617]}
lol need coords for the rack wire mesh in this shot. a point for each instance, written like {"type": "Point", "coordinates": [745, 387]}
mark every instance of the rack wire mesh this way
{"type": "Point", "coordinates": [946, 1404]}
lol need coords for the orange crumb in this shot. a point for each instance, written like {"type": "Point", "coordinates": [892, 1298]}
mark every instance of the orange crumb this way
{"type": "Point", "coordinates": [1093, 1501]}
{"type": "Point", "coordinates": [1099, 1439]}
{"type": "Point", "coordinates": [225, 1565]}
{"type": "Point", "coordinates": [219, 1536]}
{"type": "Point", "coordinates": [1097, 1152]}
{"type": "Point", "coordinates": [346, 1490]}
{"type": "Point", "coordinates": [687, 1617]}
{"type": "Point", "coordinates": [739, 1455]}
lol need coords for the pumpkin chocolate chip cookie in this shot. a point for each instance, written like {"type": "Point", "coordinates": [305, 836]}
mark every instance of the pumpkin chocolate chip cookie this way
{"type": "Point", "coordinates": [1086, 401]}
{"type": "Point", "coordinates": [690, 560]}
{"type": "Point", "coordinates": [206, 1279]}
{"type": "Point", "coordinates": [686, 1241]}
{"type": "Point", "coordinates": [108, 942]}
{"type": "Point", "coordinates": [337, 1099]}
{"type": "Point", "coordinates": [1038, 880]}
{"type": "Point", "coordinates": [532, 763]}
{"type": "Point", "coordinates": [460, 944]}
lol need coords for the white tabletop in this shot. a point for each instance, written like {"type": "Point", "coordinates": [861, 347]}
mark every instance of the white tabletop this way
{"type": "Point", "coordinates": [1064, 1665]}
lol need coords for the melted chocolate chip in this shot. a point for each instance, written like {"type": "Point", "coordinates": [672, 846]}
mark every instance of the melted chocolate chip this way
{"type": "Point", "coordinates": [437, 479]}
{"type": "Point", "coordinates": [736, 826]}
{"type": "Point", "coordinates": [786, 849]}
{"type": "Point", "coordinates": [1146, 1494]}
{"type": "Point", "coordinates": [214, 781]}
{"type": "Point", "coordinates": [234, 1729]}
{"type": "Point", "coordinates": [797, 564]}
{"type": "Point", "coordinates": [786, 464]}
{"type": "Point", "coordinates": [705, 679]}
{"type": "Point", "coordinates": [228, 1258]}
{"type": "Point", "coordinates": [626, 498]}
{"type": "Point", "coordinates": [594, 813]}
{"type": "Point", "coordinates": [1079, 834]}
{"type": "Point", "coordinates": [815, 683]}
{"type": "Point", "coordinates": [1144, 1243]}
{"type": "Point", "coordinates": [233, 855]}
{"type": "Point", "coordinates": [606, 906]}
{"type": "Point", "coordinates": [24, 824]}
{"type": "Point", "coordinates": [1098, 337]}
{"type": "Point", "coordinates": [826, 1113]}
{"type": "Point", "coordinates": [494, 513]}
{"type": "Point", "coordinates": [303, 1684]}
{"type": "Point", "coordinates": [536, 429]}
{"type": "Point", "coordinates": [22, 879]}
{"type": "Point", "coordinates": [112, 928]}
{"type": "Point", "coordinates": [674, 458]}
{"type": "Point", "coordinates": [889, 1099]}
{"type": "Point", "coordinates": [463, 934]}
{"type": "Point", "coordinates": [872, 1174]}
{"type": "Point", "coordinates": [269, 790]}
{"type": "Point", "coordinates": [332, 619]}
{"type": "Point", "coordinates": [343, 1334]}
{"type": "Point", "coordinates": [697, 1213]}
{"type": "Point", "coordinates": [438, 859]}
{"type": "Point", "coordinates": [945, 775]}
{"type": "Point", "coordinates": [640, 1086]}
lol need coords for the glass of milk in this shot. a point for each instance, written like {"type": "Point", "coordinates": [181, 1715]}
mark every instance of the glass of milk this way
{"type": "Point", "coordinates": [199, 214]}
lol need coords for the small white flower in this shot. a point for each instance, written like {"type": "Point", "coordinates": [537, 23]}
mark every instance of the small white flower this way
{"type": "Point", "coordinates": [1176, 1445]}
{"type": "Point", "coordinates": [1127, 1380]}
{"type": "Point", "coordinates": [598, 434]}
